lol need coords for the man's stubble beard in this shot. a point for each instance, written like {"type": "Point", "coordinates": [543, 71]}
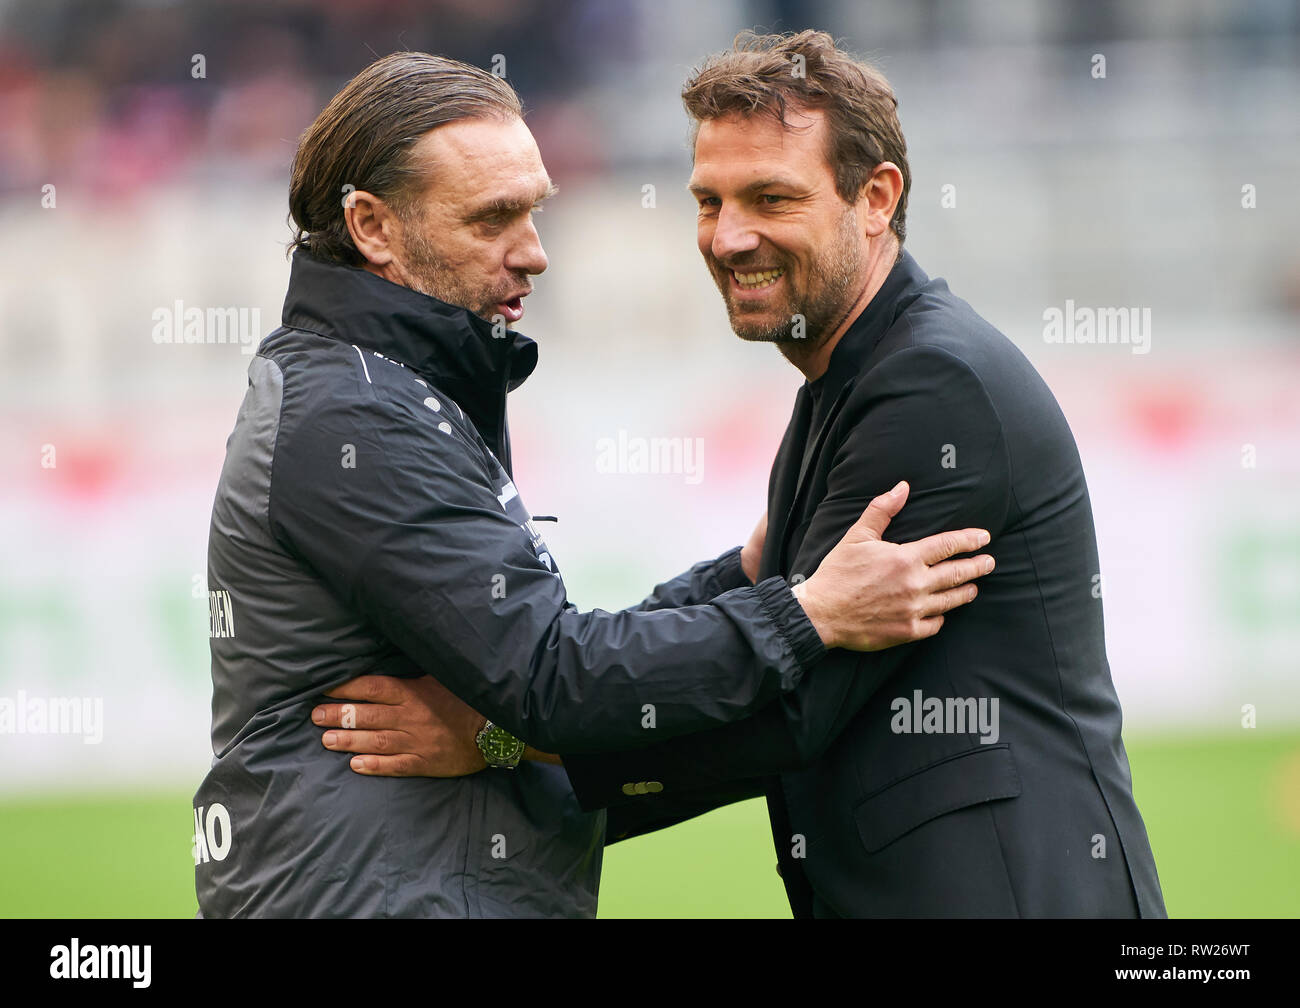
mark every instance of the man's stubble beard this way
{"type": "Point", "coordinates": [831, 291]}
{"type": "Point", "coordinates": [427, 273]}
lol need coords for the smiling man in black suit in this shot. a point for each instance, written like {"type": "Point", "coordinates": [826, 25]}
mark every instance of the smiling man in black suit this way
{"type": "Point", "coordinates": [980, 772]}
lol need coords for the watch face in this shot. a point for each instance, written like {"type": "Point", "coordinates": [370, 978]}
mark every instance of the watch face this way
{"type": "Point", "coordinates": [499, 747]}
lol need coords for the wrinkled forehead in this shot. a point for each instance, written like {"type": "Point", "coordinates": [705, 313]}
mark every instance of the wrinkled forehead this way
{"type": "Point", "coordinates": [473, 160]}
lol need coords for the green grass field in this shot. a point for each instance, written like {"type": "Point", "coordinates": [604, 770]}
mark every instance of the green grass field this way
{"type": "Point", "coordinates": [1223, 816]}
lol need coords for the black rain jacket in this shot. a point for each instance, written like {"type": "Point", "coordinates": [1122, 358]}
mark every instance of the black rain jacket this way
{"type": "Point", "coordinates": [366, 521]}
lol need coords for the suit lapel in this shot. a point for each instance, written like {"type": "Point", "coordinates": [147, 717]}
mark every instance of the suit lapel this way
{"type": "Point", "coordinates": [808, 466]}
{"type": "Point", "coordinates": [798, 459]}
{"type": "Point", "coordinates": [784, 484]}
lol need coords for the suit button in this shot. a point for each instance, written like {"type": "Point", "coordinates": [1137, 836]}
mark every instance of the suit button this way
{"type": "Point", "coordinates": [654, 787]}
{"type": "Point", "coordinates": [629, 789]}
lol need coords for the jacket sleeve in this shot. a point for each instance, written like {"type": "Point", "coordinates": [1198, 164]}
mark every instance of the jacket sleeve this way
{"type": "Point", "coordinates": [897, 424]}
{"type": "Point", "coordinates": [702, 583]}
{"type": "Point", "coordinates": [659, 811]}
{"type": "Point", "coordinates": [414, 537]}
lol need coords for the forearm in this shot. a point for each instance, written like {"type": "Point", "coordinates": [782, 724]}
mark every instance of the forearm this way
{"type": "Point", "coordinates": [537, 756]}
{"type": "Point", "coordinates": [641, 677]}
{"type": "Point", "coordinates": [787, 735]}
{"type": "Point", "coordinates": [704, 581]}
{"type": "Point", "coordinates": [564, 681]}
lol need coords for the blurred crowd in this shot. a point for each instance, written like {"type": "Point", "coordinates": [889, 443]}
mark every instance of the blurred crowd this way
{"type": "Point", "coordinates": [114, 95]}
{"type": "Point", "coordinates": [118, 95]}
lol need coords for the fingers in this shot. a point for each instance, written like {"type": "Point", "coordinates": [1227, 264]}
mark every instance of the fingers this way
{"type": "Point", "coordinates": [928, 627]}
{"type": "Point", "coordinates": [379, 742]}
{"type": "Point", "coordinates": [942, 602]}
{"type": "Point", "coordinates": [371, 689]}
{"type": "Point", "coordinates": [934, 548]}
{"type": "Point", "coordinates": [875, 519]}
{"type": "Point", "coordinates": [951, 573]}
{"type": "Point", "coordinates": [402, 765]}
{"type": "Point", "coordinates": [350, 715]}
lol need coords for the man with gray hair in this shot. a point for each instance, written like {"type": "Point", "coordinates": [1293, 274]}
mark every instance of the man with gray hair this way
{"type": "Point", "coordinates": [366, 522]}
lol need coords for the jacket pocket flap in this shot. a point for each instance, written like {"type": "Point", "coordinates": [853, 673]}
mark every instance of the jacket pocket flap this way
{"type": "Point", "coordinates": [977, 775]}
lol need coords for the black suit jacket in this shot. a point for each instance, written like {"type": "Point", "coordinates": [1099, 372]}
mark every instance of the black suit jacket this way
{"type": "Point", "coordinates": [880, 806]}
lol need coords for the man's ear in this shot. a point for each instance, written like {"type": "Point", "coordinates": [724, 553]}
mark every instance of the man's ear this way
{"type": "Point", "coordinates": [372, 225]}
{"type": "Point", "coordinates": [878, 199]}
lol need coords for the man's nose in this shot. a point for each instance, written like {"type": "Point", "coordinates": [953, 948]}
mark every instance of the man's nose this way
{"type": "Point", "coordinates": [527, 255]}
{"type": "Point", "coordinates": [734, 234]}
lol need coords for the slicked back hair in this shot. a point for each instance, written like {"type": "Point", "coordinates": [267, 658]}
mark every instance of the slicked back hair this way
{"type": "Point", "coordinates": [364, 139]}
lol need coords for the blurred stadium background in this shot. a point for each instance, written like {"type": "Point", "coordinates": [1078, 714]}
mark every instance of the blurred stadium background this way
{"type": "Point", "coordinates": [1169, 184]}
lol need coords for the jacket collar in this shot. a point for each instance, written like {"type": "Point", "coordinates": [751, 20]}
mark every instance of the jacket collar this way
{"type": "Point", "coordinates": [903, 285]}
{"type": "Point", "coordinates": [818, 402]}
{"type": "Point", "coordinates": [451, 347]}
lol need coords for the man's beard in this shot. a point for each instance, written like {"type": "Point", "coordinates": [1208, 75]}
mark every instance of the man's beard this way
{"type": "Point", "coordinates": [827, 297]}
{"type": "Point", "coordinates": [429, 274]}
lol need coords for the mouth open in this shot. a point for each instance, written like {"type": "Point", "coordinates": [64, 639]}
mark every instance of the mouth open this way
{"type": "Point", "coordinates": [756, 280]}
{"type": "Point", "coordinates": [513, 310]}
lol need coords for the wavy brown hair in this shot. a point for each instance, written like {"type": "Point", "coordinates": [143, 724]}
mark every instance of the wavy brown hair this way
{"type": "Point", "coordinates": [365, 135]}
{"type": "Point", "coordinates": [762, 74]}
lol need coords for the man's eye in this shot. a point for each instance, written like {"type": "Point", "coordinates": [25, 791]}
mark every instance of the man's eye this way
{"type": "Point", "coordinates": [771, 199]}
{"type": "Point", "coordinates": [709, 202]}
